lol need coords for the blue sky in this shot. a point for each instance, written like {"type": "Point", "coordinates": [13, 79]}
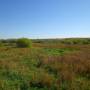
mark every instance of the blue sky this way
{"type": "Point", "coordinates": [44, 18]}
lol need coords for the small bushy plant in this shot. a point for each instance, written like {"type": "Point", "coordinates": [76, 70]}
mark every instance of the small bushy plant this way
{"type": "Point", "coordinates": [1, 44]}
{"type": "Point", "coordinates": [24, 42]}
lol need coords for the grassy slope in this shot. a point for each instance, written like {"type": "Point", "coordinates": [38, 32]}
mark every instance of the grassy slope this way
{"type": "Point", "coordinates": [47, 67]}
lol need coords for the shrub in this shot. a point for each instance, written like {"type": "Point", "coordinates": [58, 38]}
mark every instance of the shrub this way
{"type": "Point", "coordinates": [23, 42]}
{"type": "Point", "coordinates": [1, 44]}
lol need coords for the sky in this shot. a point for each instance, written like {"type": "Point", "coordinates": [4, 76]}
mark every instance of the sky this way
{"type": "Point", "coordinates": [44, 18]}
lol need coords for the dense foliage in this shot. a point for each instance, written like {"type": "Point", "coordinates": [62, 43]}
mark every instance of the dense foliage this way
{"type": "Point", "coordinates": [23, 42]}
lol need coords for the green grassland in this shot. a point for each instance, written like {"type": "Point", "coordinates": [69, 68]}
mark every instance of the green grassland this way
{"type": "Point", "coordinates": [48, 65]}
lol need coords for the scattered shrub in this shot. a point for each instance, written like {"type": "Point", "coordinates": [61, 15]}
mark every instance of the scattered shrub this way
{"type": "Point", "coordinates": [23, 42]}
{"type": "Point", "coordinates": [1, 44]}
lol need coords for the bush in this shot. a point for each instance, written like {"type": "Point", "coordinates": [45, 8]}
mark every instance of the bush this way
{"type": "Point", "coordinates": [24, 42]}
{"type": "Point", "coordinates": [1, 44]}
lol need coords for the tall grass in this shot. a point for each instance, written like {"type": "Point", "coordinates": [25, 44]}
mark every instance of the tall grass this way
{"type": "Point", "coordinates": [35, 69]}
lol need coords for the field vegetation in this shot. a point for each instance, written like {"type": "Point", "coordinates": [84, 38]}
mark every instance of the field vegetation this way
{"type": "Point", "coordinates": [50, 64]}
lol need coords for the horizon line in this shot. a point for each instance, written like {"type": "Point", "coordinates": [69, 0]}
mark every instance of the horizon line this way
{"type": "Point", "coordinates": [47, 38]}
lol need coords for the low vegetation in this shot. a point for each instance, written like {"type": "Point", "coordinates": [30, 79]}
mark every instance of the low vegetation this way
{"type": "Point", "coordinates": [45, 66]}
{"type": "Point", "coordinates": [1, 44]}
{"type": "Point", "coordinates": [23, 42]}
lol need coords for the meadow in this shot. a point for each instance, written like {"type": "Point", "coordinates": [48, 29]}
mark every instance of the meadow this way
{"type": "Point", "coordinates": [48, 65]}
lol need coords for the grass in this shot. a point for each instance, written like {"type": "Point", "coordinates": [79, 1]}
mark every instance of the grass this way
{"type": "Point", "coordinates": [58, 51]}
{"type": "Point", "coordinates": [44, 67]}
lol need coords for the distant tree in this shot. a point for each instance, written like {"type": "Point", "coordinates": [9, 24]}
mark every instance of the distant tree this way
{"type": "Point", "coordinates": [24, 42]}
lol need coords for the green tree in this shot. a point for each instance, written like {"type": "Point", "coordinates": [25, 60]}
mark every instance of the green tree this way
{"type": "Point", "coordinates": [24, 42]}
